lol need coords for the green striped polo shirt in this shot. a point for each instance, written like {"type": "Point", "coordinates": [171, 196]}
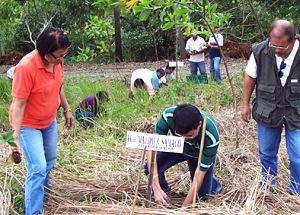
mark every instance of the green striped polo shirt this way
{"type": "Point", "coordinates": [191, 147]}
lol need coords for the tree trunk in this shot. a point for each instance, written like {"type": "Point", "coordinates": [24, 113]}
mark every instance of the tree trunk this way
{"type": "Point", "coordinates": [181, 44]}
{"type": "Point", "coordinates": [118, 39]}
{"type": "Point", "coordinates": [2, 52]}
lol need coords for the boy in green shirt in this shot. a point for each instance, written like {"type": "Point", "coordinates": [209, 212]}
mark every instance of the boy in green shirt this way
{"type": "Point", "coordinates": [186, 121]}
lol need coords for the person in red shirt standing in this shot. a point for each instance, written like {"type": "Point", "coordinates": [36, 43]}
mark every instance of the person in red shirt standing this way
{"type": "Point", "coordinates": [37, 95]}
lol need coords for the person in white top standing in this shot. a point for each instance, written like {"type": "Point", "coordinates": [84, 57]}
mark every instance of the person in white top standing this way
{"type": "Point", "coordinates": [10, 73]}
{"type": "Point", "coordinates": [195, 47]}
{"type": "Point", "coordinates": [274, 71]}
{"type": "Point", "coordinates": [215, 55]}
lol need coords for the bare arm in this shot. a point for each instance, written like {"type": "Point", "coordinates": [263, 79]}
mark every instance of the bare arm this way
{"type": "Point", "coordinates": [249, 84]}
{"type": "Point", "coordinates": [201, 50]}
{"type": "Point", "coordinates": [197, 181]}
{"type": "Point", "coordinates": [17, 117]}
{"type": "Point", "coordinates": [149, 88]}
{"type": "Point", "coordinates": [159, 195]}
{"type": "Point", "coordinates": [67, 111]}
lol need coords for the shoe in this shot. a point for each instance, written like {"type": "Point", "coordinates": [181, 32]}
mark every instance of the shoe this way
{"type": "Point", "coordinates": [217, 186]}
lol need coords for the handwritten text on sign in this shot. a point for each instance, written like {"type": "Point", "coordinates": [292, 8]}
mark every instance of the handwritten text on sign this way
{"type": "Point", "coordinates": [154, 142]}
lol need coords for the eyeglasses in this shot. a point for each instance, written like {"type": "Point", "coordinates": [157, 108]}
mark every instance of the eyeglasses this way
{"type": "Point", "coordinates": [279, 47]}
{"type": "Point", "coordinates": [185, 137]}
{"type": "Point", "coordinates": [58, 58]}
{"type": "Point", "coordinates": [281, 67]}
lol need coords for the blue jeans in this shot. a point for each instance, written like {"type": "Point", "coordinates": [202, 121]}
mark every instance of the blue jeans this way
{"type": "Point", "coordinates": [165, 160]}
{"type": "Point", "coordinates": [269, 140]}
{"type": "Point", "coordinates": [195, 65]}
{"type": "Point", "coordinates": [85, 118]}
{"type": "Point", "coordinates": [40, 150]}
{"type": "Point", "coordinates": [215, 69]}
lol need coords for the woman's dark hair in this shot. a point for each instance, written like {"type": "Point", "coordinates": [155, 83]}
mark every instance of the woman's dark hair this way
{"type": "Point", "coordinates": [186, 118]}
{"type": "Point", "coordinates": [50, 40]}
{"type": "Point", "coordinates": [102, 96]}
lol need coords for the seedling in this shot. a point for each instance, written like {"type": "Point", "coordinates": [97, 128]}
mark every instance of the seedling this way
{"type": "Point", "coordinates": [8, 138]}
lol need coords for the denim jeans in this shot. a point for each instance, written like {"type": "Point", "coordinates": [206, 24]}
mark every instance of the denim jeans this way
{"type": "Point", "coordinates": [85, 118]}
{"type": "Point", "coordinates": [269, 140]}
{"type": "Point", "coordinates": [215, 69]}
{"type": "Point", "coordinates": [165, 160]}
{"type": "Point", "coordinates": [40, 150]}
{"type": "Point", "coordinates": [195, 65]}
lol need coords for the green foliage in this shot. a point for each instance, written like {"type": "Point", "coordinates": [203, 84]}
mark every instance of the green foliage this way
{"type": "Point", "coordinates": [186, 15]}
{"type": "Point", "coordinates": [138, 46]}
{"type": "Point", "coordinates": [9, 22]}
{"type": "Point", "coordinates": [89, 23]}
{"type": "Point", "coordinates": [5, 88]}
{"type": "Point", "coordinates": [8, 137]}
{"type": "Point", "coordinates": [126, 114]}
{"type": "Point", "coordinates": [5, 100]}
{"type": "Point", "coordinates": [244, 26]}
{"type": "Point", "coordinates": [101, 32]}
{"type": "Point", "coordinates": [84, 55]}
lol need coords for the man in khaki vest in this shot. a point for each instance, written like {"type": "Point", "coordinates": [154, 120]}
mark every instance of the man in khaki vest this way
{"type": "Point", "coordinates": [274, 71]}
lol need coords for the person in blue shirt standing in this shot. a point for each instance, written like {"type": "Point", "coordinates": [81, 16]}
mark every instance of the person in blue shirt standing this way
{"type": "Point", "coordinates": [215, 55]}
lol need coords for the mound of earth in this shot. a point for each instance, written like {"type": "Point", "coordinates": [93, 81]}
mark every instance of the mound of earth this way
{"type": "Point", "coordinates": [236, 50]}
{"type": "Point", "coordinates": [11, 58]}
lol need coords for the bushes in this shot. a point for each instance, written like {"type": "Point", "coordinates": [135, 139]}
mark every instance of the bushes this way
{"type": "Point", "coordinates": [138, 46]}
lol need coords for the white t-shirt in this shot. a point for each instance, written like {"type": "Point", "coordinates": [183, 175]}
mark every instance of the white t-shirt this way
{"type": "Point", "coordinates": [10, 73]}
{"type": "Point", "coordinates": [196, 45]}
{"type": "Point", "coordinates": [219, 38]}
{"type": "Point", "coordinates": [251, 68]}
{"type": "Point", "coordinates": [146, 76]}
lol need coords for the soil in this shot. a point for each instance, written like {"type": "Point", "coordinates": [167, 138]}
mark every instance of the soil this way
{"type": "Point", "coordinates": [11, 58]}
{"type": "Point", "coordinates": [123, 70]}
{"type": "Point", "coordinates": [235, 56]}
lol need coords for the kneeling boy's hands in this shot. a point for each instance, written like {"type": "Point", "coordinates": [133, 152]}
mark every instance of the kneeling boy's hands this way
{"type": "Point", "coordinates": [161, 198]}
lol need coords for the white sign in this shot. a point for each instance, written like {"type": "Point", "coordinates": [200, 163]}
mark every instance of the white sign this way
{"type": "Point", "coordinates": [154, 142]}
{"type": "Point", "coordinates": [173, 63]}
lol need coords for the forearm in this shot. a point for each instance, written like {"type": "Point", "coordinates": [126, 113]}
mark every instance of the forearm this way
{"type": "Point", "coordinates": [195, 187]}
{"type": "Point", "coordinates": [150, 89]}
{"type": "Point", "coordinates": [249, 84]}
{"type": "Point", "coordinates": [17, 116]}
{"type": "Point", "coordinates": [64, 103]}
{"type": "Point", "coordinates": [202, 49]}
{"type": "Point", "coordinates": [152, 161]}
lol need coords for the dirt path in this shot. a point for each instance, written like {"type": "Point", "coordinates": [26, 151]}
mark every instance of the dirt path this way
{"type": "Point", "coordinates": [121, 70]}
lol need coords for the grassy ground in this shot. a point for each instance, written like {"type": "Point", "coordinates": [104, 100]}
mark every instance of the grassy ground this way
{"type": "Point", "coordinates": [96, 174]}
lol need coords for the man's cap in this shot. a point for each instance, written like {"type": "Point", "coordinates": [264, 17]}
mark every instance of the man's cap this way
{"type": "Point", "coordinates": [194, 32]}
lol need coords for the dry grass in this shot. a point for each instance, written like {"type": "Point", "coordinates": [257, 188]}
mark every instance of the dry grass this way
{"type": "Point", "coordinates": [98, 191]}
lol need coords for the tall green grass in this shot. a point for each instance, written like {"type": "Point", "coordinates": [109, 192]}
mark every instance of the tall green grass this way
{"type": "Point", "coordinates": [5, 100]}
